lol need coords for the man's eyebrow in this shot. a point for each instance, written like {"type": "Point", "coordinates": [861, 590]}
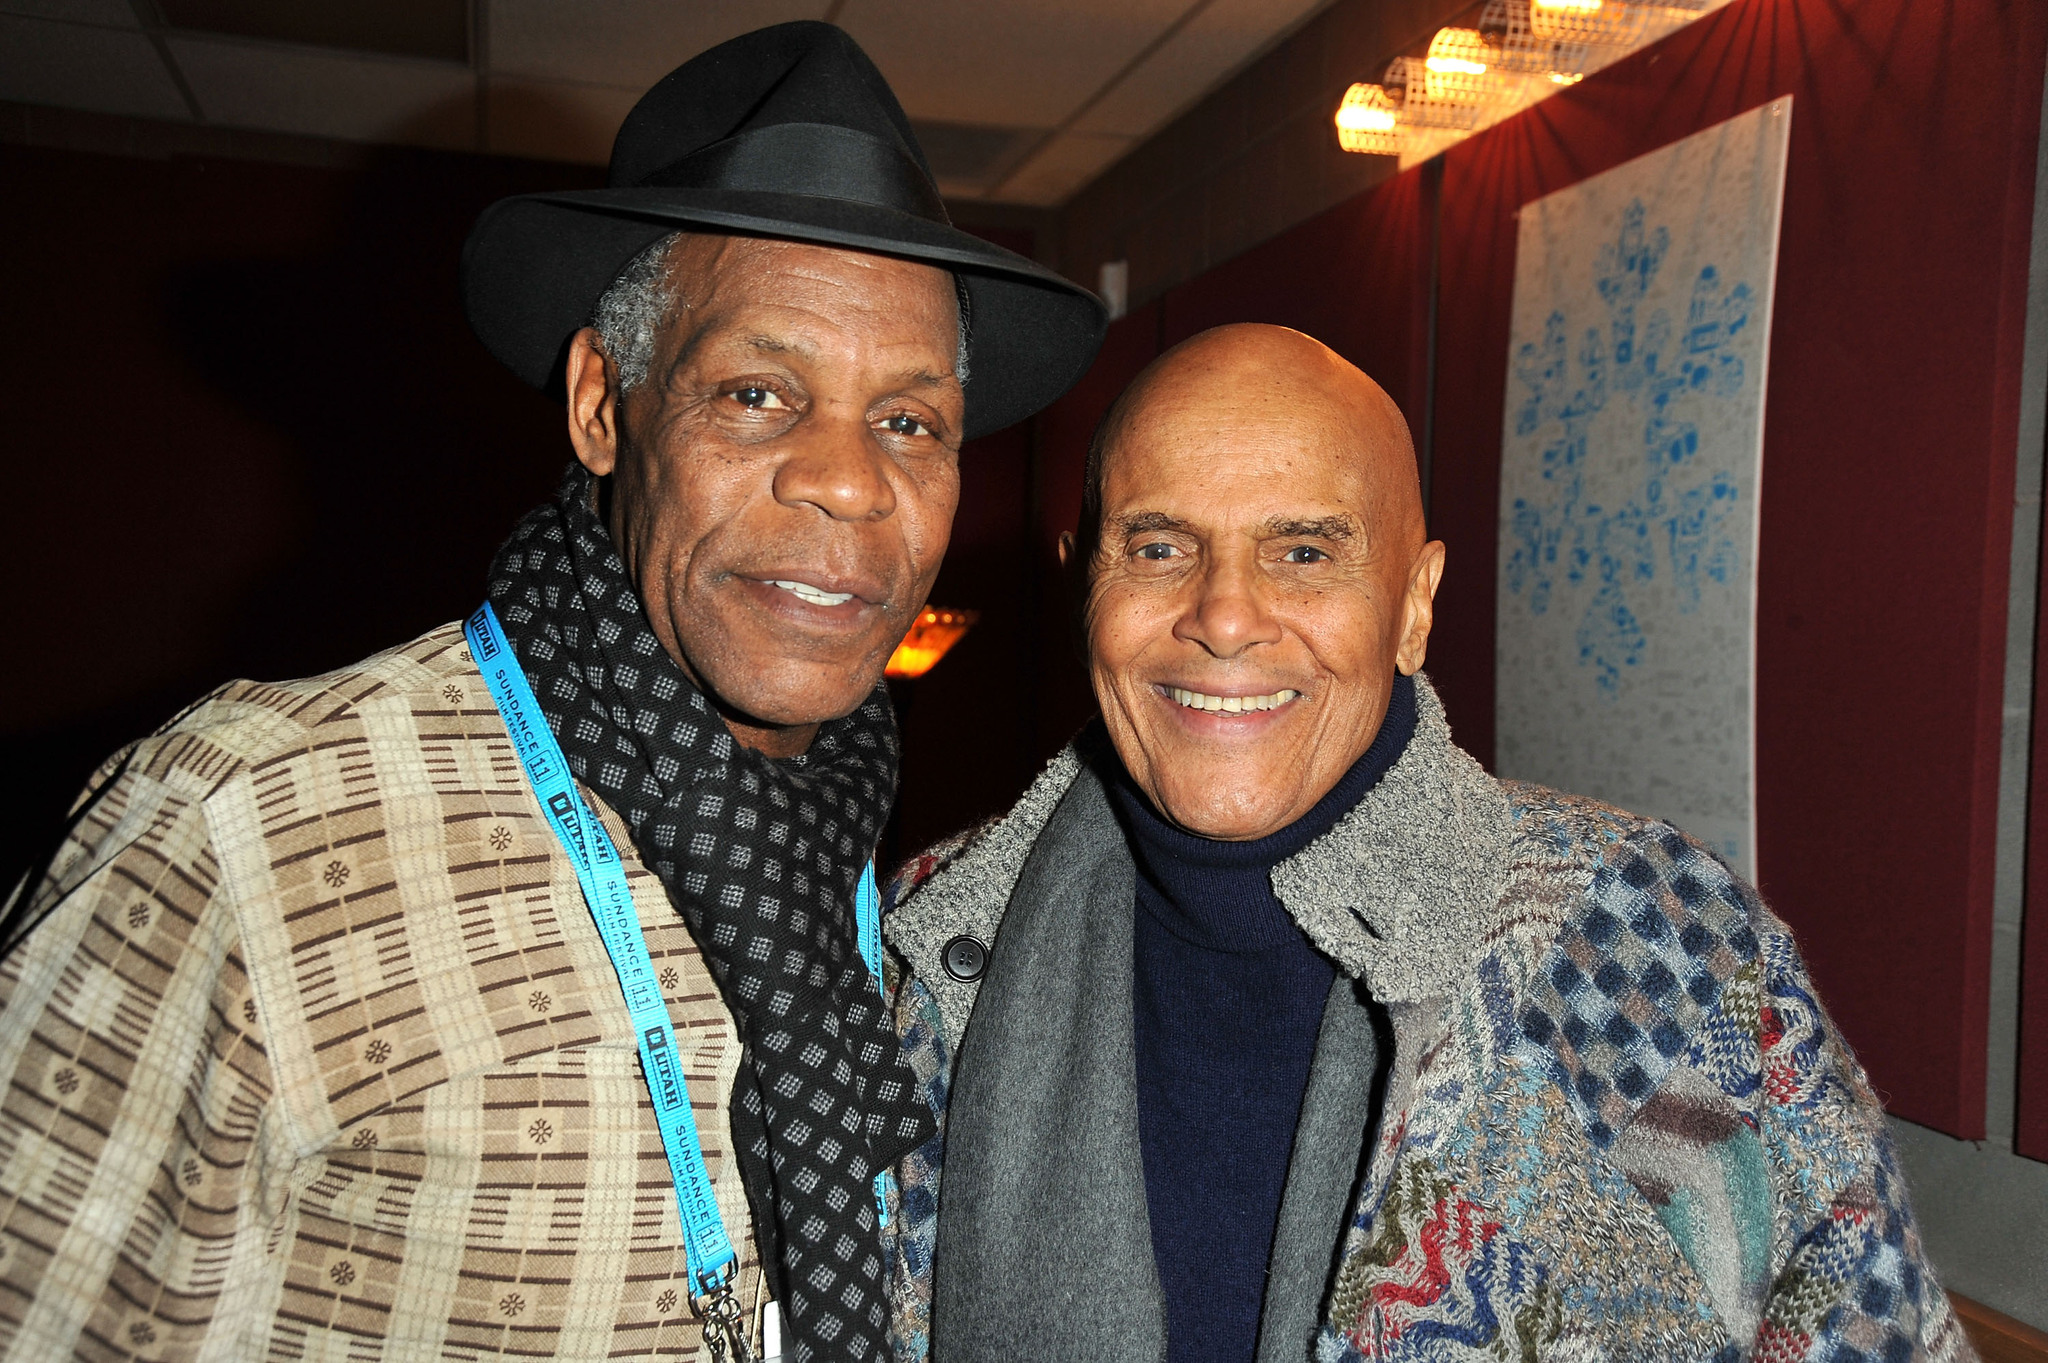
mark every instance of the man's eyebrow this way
{"type": "Point", "coordinates": [909, 378]}
{"type": "Point", "coordinates": [1148, 522]}
{"type": "Point", "coordinates": [1321, 528]}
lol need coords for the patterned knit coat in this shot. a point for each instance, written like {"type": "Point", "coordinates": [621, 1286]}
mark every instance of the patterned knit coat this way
{"type": "Point", "coordinates": [1618, 1123]}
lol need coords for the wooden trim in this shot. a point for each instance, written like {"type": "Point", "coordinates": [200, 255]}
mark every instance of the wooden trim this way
{"type": "Point", "coordinates": [1998, 1337]}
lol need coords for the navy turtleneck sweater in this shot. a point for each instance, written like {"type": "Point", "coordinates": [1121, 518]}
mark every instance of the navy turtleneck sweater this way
{"type": "Point", "coordinates": [1227, 1003]}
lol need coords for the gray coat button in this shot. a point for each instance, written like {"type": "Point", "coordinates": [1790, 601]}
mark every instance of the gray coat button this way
{"type": "Point", "coordinates": [965, 959]}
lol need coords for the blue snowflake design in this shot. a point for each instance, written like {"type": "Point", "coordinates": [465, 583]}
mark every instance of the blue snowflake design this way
{"type": "Point", "coordinates": [1675, 519]}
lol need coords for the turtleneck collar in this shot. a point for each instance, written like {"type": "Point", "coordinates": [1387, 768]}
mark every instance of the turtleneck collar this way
{"type": "Point", "coordinates": [1218, 895]}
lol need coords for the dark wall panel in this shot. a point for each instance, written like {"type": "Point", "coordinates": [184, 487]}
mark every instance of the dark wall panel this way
{"type": "Point", "coordinates": [249, 434]}
{"type": "Point", "coordinates": [1356, 278]}
{"type": "Point", "coordinates": [967, 724]}
{"type": "Point", "coordinates": [1887, 474]}
{"type": "Point", "coordinates": [1063, 430]}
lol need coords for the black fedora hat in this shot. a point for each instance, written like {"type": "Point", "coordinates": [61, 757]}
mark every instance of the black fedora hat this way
{"type": "Point", "coordinates": [786, 132]}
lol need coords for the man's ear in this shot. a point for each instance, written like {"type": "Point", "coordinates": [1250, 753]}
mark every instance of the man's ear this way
{"type": "Point", "coordinates": [593, 386]}
{"type": "Point", "coordinates": [1418, 609]}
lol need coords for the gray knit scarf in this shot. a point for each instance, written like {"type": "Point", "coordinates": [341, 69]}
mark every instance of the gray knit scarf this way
{"type": "Point", "coordinates": [761, 858]}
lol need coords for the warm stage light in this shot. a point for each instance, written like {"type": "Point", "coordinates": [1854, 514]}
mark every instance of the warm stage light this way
{"type": "Point", "coordinates": [935, 631]}
{"type": "Point", "coordinates": [1366, 122]}
{"type": "Point", "coordinates": [1611, 22]}
{"type": "Point", "coordinates": [1354, 118]}
{"type": "Point", "coordinates": [1460, 67]}
{"type": "Point", "coordinates": [1520, 52]}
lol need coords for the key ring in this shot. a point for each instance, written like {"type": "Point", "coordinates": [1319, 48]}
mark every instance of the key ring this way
{"type": "Point", "coordinates": [725, 1326]}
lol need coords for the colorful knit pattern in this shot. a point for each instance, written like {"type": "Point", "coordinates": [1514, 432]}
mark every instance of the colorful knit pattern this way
{"type": "Point", "coordinates": [1663, 927]}
{"type": "Point", "coordinates": [913, 1227]}
{"type": "Point", "coordinates": [1632, 1134]}
{"type": "Point", "coordinates": [1669, 1154]}
{"type": "Point", "coordinates": [1447, 1274]}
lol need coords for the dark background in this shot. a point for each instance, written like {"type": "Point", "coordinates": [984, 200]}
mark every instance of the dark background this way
{"type": "Point", "coordinates": [252, 436]}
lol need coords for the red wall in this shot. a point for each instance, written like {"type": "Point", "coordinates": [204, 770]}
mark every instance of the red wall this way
{"type": "Point", "coordinates": [1888, 463]}
{"type": "Point", "coordinates": [1356, 278]}
{"type": "Point", "coordinates": [1887, 474]}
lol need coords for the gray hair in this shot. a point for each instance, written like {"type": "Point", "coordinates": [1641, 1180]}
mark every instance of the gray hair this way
{"type": "Point", "coordinates": [633, 309]}
{"type": "Point", "coordinates": [643, 298]}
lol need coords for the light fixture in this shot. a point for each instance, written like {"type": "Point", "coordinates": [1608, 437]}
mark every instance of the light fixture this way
{"type": "Point", "coordinates": [1366, 121]}
{"type": "Point", "coordinates": [935, 631]}
{"type": "Point", "coordinates": [1611, 22]}
{"type": "Point", "coordinates": [1461, 66]}
{"type": "Point", "coordinates": [1520, 52]}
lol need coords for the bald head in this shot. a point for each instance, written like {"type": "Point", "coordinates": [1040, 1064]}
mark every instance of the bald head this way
{"type": "Point", "coordinates": [1223, 365]}
{"type": "Point", "coordinates": [1257, 572]}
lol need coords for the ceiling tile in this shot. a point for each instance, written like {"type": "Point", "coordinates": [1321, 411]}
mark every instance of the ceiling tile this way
{"type": "Point", "coordinates": [1003, 61]}
{"type": "Point", "coordinates": [965, 151]}
{"type": "Point", "coordinates": [434, 29]}
{"type": "Point", "coordinates": [356, 98]}
{"type": "Point", "coordinates": [1221, 39]}
{"type": "Point", "coordinates": [624, 43]}
{"type": "Point", "coordinates": [1065, 164]}
{"type": "Point", "coordinates": [966, 159]}
{"type": "Point", "coordinates": [74, 67]}
{"type": "Point", "coordinates": [554, 120]}
{"type": "Point", "coordinates": [105, 13]}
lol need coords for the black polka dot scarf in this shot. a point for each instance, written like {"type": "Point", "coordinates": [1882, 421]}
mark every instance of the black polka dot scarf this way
{"type": "Point", "coordinates": [761, 858]}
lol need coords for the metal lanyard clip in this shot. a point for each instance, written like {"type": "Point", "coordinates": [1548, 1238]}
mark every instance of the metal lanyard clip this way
{"type": "Point", "coordinates": [725, 1326]}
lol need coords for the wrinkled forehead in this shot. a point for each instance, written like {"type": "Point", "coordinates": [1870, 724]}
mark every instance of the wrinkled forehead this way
{"type": "Point", "coordinates": [796, 296]}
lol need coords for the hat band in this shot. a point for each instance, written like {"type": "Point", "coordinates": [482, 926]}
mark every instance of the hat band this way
{"type": "Point", "coordinates": [823, 160]}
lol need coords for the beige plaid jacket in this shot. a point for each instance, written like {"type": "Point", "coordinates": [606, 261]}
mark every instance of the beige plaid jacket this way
{"type": "Point", "coordinates": [315, 1052]}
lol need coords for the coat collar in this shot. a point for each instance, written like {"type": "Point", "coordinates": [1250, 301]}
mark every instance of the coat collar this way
{"type": "Point", "coordinates": [1402, 893]}
{"type": "Point", "coordinates": [967, 895]}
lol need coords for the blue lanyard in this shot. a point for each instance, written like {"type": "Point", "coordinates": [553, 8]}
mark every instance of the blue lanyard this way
{"type": "Point", "coordinates": [603, 878]}
{"type": "Point", "coordinates": [867, 918]}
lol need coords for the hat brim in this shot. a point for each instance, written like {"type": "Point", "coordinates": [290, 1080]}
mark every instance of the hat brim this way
{"type": "Point", "coordinates": [535, 266]}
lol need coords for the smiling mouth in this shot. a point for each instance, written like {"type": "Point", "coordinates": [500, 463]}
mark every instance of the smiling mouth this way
{"type": "Point", "coordinates": [805, 592]}
{"type": "Point", "coordinates": [1229, 705]}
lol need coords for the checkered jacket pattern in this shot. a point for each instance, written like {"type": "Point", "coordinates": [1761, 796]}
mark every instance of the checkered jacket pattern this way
{"type": "Point", "coordinates": [314, 1052]}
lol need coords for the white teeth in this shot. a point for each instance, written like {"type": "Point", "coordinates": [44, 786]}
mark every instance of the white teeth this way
{"type": "Point", "coordinates": [804, 591]}
{"type": "Point", "coordinates": [1231, 705]}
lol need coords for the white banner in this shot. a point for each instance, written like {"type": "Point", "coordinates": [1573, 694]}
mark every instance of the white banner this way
{"type": "Point", "coordinates": [1630, 462]}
